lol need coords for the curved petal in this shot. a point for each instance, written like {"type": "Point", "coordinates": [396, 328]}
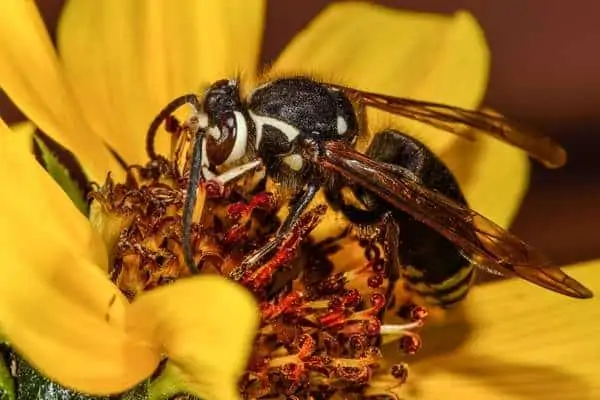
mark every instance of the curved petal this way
{"type": "Point", "coordinates": [206, 326]}
{"type": "Point", "coordinates": [22, 139]}
{"type": "Point", "coordinates": [55, 302]}
{"type": "Point", "coordinates": [62, 313]}
{"type": "Point", "coordinates": [41, 199]}
{"type": "Point", "coordinates": [31, 76]}
{"type": "Point", "coordinates": [141, 55]}
{"type": "Point", "coordinates": [514, 341]}
{"type": "Point", "coordinates": [56, 310]}
{"type": "Point", "coordinates": [199, 42]}
{"type": "Point", "coordinates": [424, 56]}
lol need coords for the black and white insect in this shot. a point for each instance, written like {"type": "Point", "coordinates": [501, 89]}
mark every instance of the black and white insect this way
{"type": "Point", "coordinates": [304, 133]}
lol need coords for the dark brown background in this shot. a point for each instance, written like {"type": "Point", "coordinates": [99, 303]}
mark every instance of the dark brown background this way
{"type": "Point", "coordinates": [545, 73]}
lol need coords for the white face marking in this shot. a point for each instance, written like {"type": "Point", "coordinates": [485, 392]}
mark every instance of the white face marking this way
{"type": "Point", "coordinates": [294, 161]}
{"type": "Point", "coordinates": [288, 130]}
{"type": "Point", "coordinates": [241, 139]}
{"type": "Point", "coordinates": [342, 125]}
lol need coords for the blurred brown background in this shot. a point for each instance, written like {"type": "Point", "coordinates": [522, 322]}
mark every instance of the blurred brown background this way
{"type": "Point", "coordinates": [545, 73]}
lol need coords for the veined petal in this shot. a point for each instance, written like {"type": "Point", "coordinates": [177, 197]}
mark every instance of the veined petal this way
{"type": "Point", "coordinates": [31, 76]}
{"type": "Point", "coordinates": [141, 55]}
{"type": "Point", "coordinates": [409, 54]}
{"type": "Point", "coordinates": [63, 315]}
{"type": "Point", "coordinates": [22, 139]}
{"type": "Point", "coordinates": [198, 42]}
{"type": "Point", "coordinates": [514, 341]}
{"type": "Point", "coordinates": [206, 326]}
{"type": "Point", "coordinates": [99, 45]}
{"type": "Point", "coordinates": [55, 303]}
{"type": "Point", "coordinates": [31, 198]}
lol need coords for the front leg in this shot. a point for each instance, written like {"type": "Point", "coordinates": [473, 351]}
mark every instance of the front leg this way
{"type": "Point", "coordinates": [296, 209]}
{"type": "Point", "coordinates": [190, 203]}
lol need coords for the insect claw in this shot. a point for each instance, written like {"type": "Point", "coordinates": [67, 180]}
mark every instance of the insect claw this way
{"type": "Point", "coordinates": [214, 189]}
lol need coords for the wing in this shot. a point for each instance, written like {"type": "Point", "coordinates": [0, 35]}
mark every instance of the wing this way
{"type": "Point", "coordinates": [480, 240]}
{"type": "Point", "coordinates": [455, 120]}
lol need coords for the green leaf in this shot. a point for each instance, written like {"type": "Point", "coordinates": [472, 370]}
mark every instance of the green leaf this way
{"type": "Point", "coordinates": [7, 385]}
{"type": "Point", "coordinates": [62, 176]}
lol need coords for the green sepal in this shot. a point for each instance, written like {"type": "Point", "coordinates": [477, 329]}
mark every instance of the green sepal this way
{"type": "Point", "coordinates": [165, 386]}
{"type": "Point", "coordinates": [168, 385]}
{"type": "Point", "coordinates": [140, 392]}
{"type": "Point", "coordinates": [33, 385]}
{"type": "Point", "coordinates": [7, 385]}
{"type": "Point", "coordinates": [61, 175]}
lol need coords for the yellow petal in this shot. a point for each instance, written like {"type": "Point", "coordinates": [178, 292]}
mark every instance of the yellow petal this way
{"type": "Point", "coordinates": [514, 341]}
{"type": "Point", "coordinates": [206, 326]}
{"type": "Point", "coordinates": [61, 312]}
{"type": "Point", "coordinates": [56, 310]}
{"type": "Point", "coordinates": [199, 42]}
{"type": "Point", "coordinates": [31, 196]}
{"type": "Point", "coordinates": [141, 55]}
{"type": "Point", "coordinates": [55, 303]}
{"type": "Point", "coordinates": [424, 56]}
{"type": "Point", "coordinates": [31, 76]}
{"type": "Point", "coordinates": [22, 140]}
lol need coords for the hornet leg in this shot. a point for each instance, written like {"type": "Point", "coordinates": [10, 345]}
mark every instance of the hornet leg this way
{"type": "Point", "coordinates": [296, 210]}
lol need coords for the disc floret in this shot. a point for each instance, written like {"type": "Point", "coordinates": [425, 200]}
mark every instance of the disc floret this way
{"type": "Point", "coordinates": [321, 327]}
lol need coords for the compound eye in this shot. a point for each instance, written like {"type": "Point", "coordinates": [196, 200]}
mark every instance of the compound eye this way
{"type": "Point", "coordinates": [226, 142]}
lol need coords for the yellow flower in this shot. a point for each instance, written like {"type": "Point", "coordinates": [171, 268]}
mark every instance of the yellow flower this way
{"type": "Point", "coordinates": [60, 311]}
{"type": "Point", "coordinates": [118, 63]}
{"type": "Point", "coordinates": [511, 341]}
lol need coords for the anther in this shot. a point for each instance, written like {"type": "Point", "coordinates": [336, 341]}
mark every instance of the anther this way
{"type": "Point", "coordinates": [412, 312]}
{"type": "Point", "coordinates": [400, 372]}
{"type": "Point", "coordinates": [410, 343]}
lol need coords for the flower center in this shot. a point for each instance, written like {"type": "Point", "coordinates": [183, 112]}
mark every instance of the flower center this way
{"type": "Point", "coordinates": [321, 322]}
